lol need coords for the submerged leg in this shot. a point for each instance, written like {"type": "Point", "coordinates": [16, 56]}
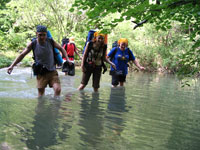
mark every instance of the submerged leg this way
{"type": "Point", "coordinates": [121, 83]}
{"type": "Point", "coordinates": [81, 87]}
{"type": "Point", "coordinates": [95, 89]}
{"type": "Point", "coordinates": [57, 89]}
{"type": "Point", "coordinates": [41, 92]}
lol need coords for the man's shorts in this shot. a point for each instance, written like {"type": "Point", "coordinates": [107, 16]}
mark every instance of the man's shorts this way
{"type": "Point", "coordinates": [50, 78]}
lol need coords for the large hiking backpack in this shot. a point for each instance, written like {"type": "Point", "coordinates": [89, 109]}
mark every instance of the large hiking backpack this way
{"type": "Point", "coordinates": [64, 41]}
{"type": "Point", "coordinates": [57, 55]}
{"type": "Point", "coordinates": [70, 49]}
{"type": "Point", "coordinates": [89, 38]}
{"type": "Point", "coordinates": [115, 44]}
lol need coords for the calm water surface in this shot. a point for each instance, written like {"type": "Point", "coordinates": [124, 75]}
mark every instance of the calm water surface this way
{"type": "Point", "coordinates": [152, 112]}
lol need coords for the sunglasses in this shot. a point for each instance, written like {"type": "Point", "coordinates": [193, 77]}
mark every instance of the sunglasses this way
{"type": "Point", "coordinates": [42, 34]}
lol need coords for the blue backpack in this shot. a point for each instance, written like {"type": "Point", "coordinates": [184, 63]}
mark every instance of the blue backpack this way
{"type": "Point", "coordinates": [115, 44]}
{"type": "Point", "coordinates": [89, 38]}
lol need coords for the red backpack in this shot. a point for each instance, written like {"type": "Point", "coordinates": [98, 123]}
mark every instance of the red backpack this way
{"type": "Point", "coordinates": [70, 49]}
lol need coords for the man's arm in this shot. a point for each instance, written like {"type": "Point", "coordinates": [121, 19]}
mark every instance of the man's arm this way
{"type": "Point", "coordinates": [56, 45]}
{"type": "Point", "coordinates": [19, 58]}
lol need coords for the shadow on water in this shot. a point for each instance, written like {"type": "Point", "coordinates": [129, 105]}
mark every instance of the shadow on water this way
{"type": "Point", "coordinates": [99, 117]}
{"type": "Point", "coordinates": [90, 120]}
{"type": "Point", "coordinates": [151, 112]}
{"type": "Point", "coordinates": [116, 108]}
{"type": "Point", "coordinates": [44, 132]}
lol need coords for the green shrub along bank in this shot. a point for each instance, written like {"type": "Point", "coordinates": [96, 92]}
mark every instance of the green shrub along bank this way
{"type": "Point", "coordinates": [5, 61]}
{"type": "Point", "coordinates": [168, 50]}
{"type": "Point", "coordinates": [7, 58]}
{"type": "Point", "coordinates": [157, 51]}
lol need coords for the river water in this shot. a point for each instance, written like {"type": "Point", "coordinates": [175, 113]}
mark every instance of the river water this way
{"type": "Point", "coordinates": [152, 112]}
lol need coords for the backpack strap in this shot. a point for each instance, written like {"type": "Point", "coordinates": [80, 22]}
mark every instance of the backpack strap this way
{"type": "Point", "coordinates": [113, 55]}
{"type": "Point", "coordinates": [103, 64]}
{"type": "Point", "coordinates": [52, 42]}
{"type": "Point", "coordinates": [74, 47]}
{"type": "Point", "coordinates": [130, 55]}
{"type": "Point", "coordinates": [65, 46]}
{"type": "Point", "coordinates": [54, 53]}
{"type": "Point", "coordinates": [115, 51]}
{"type": "Point", "coordinates": [90, 45]}
{"type": "Point", "coordinates": [34, 42]}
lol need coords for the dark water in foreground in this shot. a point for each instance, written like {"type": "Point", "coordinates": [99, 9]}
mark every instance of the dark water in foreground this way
{"type": "Point", "coordinates": [152, 112]}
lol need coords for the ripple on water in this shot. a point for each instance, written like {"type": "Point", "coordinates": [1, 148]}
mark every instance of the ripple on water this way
{"type": "Point", "coordinates": [151, 112]}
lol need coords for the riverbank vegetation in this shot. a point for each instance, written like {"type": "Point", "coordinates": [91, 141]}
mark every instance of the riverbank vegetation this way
{"type": "Point", "coordinates": [163, 35]}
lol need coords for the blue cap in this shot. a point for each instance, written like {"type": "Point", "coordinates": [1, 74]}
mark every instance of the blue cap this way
{"type": "Point", "coordinates": [41, 28]}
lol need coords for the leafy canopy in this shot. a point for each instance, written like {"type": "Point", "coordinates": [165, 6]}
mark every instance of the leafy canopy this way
{"type": "Point", "coordinates": [161, 13]}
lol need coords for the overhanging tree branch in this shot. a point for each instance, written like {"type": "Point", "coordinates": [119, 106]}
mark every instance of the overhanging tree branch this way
{"type": "Point", "coordinates": [138, 24]}
{"type": "Point", "coordinates": [182, 2]}
{"type": "Point", "coordinates": [175, 4]}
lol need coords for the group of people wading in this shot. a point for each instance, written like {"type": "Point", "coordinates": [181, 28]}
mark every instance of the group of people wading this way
{"type": "Point", "coordinates": [92, 61]}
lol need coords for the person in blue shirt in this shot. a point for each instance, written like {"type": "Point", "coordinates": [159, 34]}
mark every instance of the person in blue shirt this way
{"type": "Point", "coordinates": [120, 56]}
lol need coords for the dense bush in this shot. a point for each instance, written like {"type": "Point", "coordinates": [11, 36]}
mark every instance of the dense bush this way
{"type": "Point", "coordinates": [5, 61]}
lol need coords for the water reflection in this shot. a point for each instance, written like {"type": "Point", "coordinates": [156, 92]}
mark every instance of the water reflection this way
{"type": "Point", "coordinates": [91, 119]}
{"type": "Point", "coordinates": [164, 115]}
{"type": "Point", "coordinates": [68, 96]}
{"type": "Point", "coordinates": [185, 131]}
{"type": "Point", "coordinates": [45, 126]}
{"type": "Point", "coordinates": [116, 108]}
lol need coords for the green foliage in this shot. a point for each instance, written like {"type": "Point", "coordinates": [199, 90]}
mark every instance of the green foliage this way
{"type": "Point", "coordinates": [155, 50]}
{"type": "Point", "coordinates": [27, 61]}
{"type": "Point", "coordinates": [169, 40]}
{"type": "Point", "coordinates": [6, 58]}
{"type": "Point", "coordinates": [3, 3]}
{"type": "Point", "coordinates": [161, 14]}
{"type": "Point", "coordinates": [19, 19]}
{"type": "Point", "coordinates": [54, 14]}
{"type": "Point", "coordinates": [5, 61]}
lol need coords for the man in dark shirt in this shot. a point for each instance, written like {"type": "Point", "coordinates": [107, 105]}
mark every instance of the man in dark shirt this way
{"type": "Point", "coordinates": [44, 55]}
